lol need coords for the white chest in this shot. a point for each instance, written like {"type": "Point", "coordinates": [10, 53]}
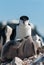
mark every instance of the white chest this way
{"type": "Point", "coordinates": [23, 31]}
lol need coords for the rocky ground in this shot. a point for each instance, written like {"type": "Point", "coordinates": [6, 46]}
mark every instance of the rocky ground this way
{"type": "Point", "coordinates": [34, 60]}
{"type": "Point", "coordinates": [27, 61]}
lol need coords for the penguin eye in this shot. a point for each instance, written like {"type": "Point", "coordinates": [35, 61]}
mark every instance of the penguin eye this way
{"type": "Point", "coordinates": [29, 24]}
{"type": "Point", "coordinates": [39, 40]}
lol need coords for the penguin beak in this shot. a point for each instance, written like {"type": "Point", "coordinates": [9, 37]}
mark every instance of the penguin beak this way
{"type": "Point", "coordinates": [25, 22]}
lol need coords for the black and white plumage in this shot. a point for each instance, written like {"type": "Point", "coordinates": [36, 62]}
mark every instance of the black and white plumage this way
{"type": "Point", "coordinates": [24, 28]}
{"type": "Point", "coordinates": [13, 26]}
{"type": "Point", "coordinates": [8, 33]}
{"type": "Point", "coordinates": [3, 30]}
{"type": "Point", "coordinates": [38, 42]}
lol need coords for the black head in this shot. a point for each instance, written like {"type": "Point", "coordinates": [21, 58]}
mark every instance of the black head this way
{"type": "Point", "coordinates": [24, 18]}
